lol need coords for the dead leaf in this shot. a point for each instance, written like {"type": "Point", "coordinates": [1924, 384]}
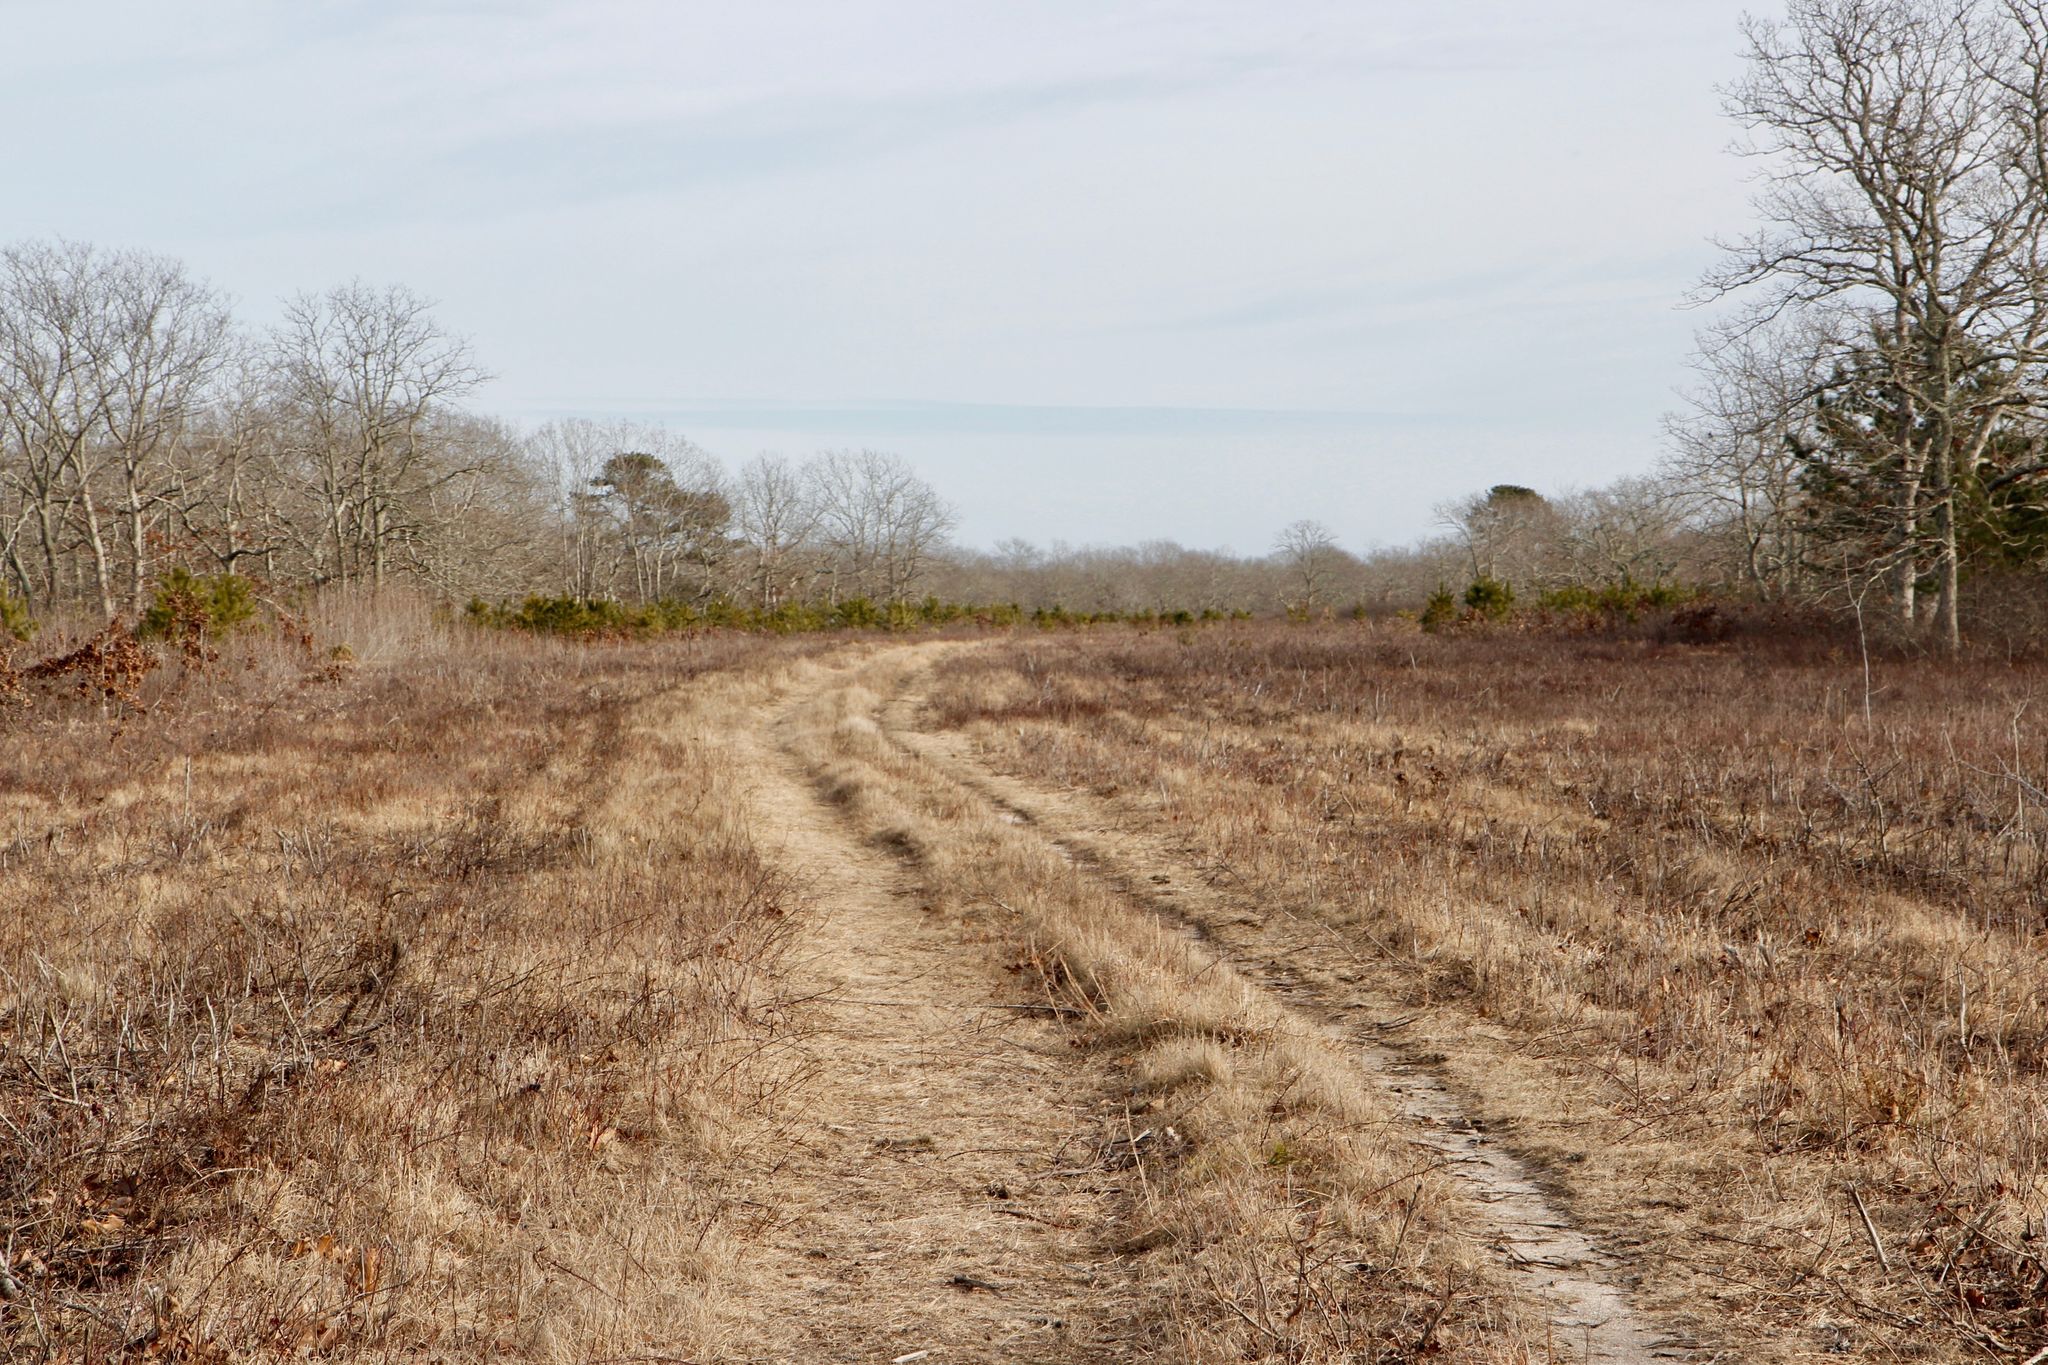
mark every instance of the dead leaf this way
{"type": "Point", "coordinates": [369, 1270]}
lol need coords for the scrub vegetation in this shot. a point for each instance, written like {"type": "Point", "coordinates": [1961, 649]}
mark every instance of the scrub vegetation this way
{"type": "Point", "coordinates": [393, 1004]}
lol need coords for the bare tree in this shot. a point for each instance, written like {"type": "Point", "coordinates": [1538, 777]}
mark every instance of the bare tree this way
{"type": "Point", "coordinates": [1504, 531]}
{"type": "Point", "coordinates": [483, 530]}
{"type": "Point", "coordinates": [1733, 456]}
{"type": "Point", "coordinates": [1628, 533]}
{"type": "Point", "coordinates": [1906, 202]}
{"type": "Point", "coordinates": [228, 494]}
{"type": "Point", "coordinates": [775, 515]}
{"type": "Point", "coordinates": [570, 452]}
{"type": "Point", "coordinates": [360, 372]}
{"type": "Point", "coordinates": [881, 522]}
{"type": "Point", "coordinates": [163, 339]}
{"type": "Point", "coordinates": [1308, 550]}
{"type": "Point", "coordinates": [53, 402]}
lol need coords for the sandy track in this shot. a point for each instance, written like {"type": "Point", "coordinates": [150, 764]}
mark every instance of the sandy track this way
{"type": "Point", "coordinates": [936, 1194]}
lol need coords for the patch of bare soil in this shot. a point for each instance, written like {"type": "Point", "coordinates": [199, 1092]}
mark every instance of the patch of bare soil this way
{"type": "Point", "coordinates": [935, 1198]}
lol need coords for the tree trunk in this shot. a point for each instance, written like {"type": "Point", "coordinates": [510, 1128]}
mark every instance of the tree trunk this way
{"type": "Point", "coordinates": [1948, 615]}
{"type": "Point", "coordinates": [14, 564]}
{"type": "Point", "coordinates": [46, 528]}
{"type": "Point", "coordinates": [138, 551]}
{"type": "Point", "coordinates": [336, 514]}
{"type": "Point", "coordinates": [1906, 537]}
{"type": "Point", "coordinates": [1948, 566]}
{"type": "Point", "coordinates": [103, 576]}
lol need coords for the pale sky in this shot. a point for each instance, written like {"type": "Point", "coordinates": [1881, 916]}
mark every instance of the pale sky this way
{"type": "Point", "coordinates": [1104, 270]}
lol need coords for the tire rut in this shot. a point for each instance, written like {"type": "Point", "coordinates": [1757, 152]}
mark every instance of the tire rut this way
{"type": "Point", "coordinates": [1584, 1285]}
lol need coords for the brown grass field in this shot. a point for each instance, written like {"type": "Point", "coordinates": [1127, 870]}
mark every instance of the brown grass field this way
{"type": "Point", "coordinates": [1303, 994]}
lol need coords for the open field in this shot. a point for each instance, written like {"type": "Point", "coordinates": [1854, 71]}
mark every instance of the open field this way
{"type": "Point", "coordinates": [1250, 992]}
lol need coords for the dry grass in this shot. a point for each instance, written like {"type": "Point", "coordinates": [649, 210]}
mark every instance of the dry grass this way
{"type": "Point", "coordinates": [429, 1001]}
{"type": "Point", "coordinates": [394, 1007]}
{"type": "Point", "coordinates": [1284, 1213]}
{"type": "Point", "coordinates": [1736, 958]}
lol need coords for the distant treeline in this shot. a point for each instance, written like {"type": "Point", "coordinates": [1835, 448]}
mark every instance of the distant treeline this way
{"type": "Point", "coordinates": [145, 434]}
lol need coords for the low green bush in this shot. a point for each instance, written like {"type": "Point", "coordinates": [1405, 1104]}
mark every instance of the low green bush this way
{"type": "Point", "coordinates": [1441, 610]}
{"type": "Point", "coordinates": [15, 621]}
{"type": "Point", "coordinates": [1623, 600]}
{"type": "Point", "coordinates": [212, 604]}
{"type": "Point", "coordinates": [1490, 598]}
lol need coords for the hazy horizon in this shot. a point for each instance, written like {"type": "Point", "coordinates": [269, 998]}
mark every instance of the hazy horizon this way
{"type": "Point", "coordinates": [1168, 465]}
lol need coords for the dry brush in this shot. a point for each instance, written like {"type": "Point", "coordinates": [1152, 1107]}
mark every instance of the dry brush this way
{"type": "Point", "coordinates": [380, 1007]}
